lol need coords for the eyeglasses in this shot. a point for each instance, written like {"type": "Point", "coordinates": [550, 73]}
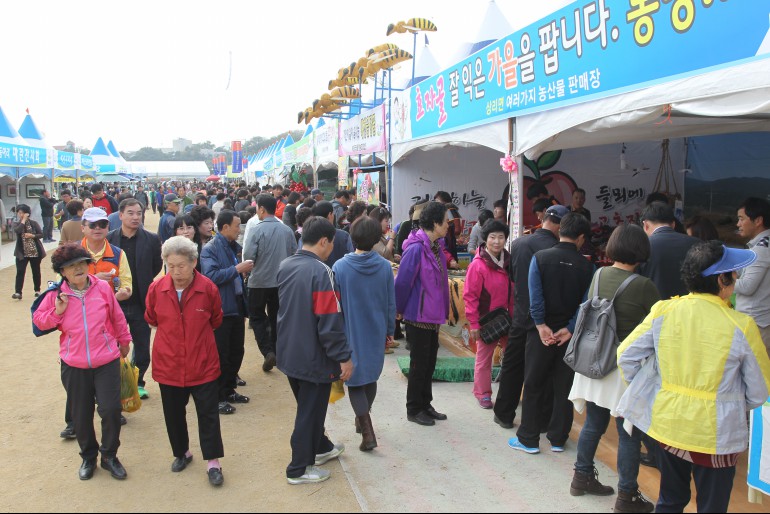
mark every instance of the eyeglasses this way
{"type": "Point", "coordinates": [99, 224]}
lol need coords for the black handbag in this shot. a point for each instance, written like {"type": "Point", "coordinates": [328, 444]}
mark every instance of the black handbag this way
{"type": "Point", "coordinates": [495, 324]}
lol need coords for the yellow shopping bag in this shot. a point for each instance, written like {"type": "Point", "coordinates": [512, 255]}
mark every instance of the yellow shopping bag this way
{"type": "Point", "coordinates": [129, 387]}
{"type": "Point", "coordinates": [338, 391]}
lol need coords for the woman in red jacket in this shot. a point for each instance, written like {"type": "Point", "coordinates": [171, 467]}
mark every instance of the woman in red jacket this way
{"type": "Point", "coordinates": [188, 363]}
{"type": "Point", "coordinates": [487, 287]}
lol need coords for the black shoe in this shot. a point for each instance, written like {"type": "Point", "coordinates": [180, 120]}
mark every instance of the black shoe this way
{"type": "Point", "coordinates": [226, 408]}
{"type": "Point", "coordinates": [216, 477]}
{"type": "Point", "coordinates": [180, 463]}
{"type": "Point", "coordinates": [430, 411]}
{"type": "Point", "coordinates": [123, 420]}
{"type": "Point", "coordinates": [16, 296]}
{"type": "Point", "coordinates": [421, 418]}
{"type": "Point", "coordinates": [269, 363]}
{"type": "Point", "coordinates": [238, 398]}
{"type": "Point", "coordinates": [503, 424]}
{"type": "Point", "coordinates": [116, 469]}
{"type": "Point", "coordinates": [37, 293]}
{"type": "Point", "coordinates": [68, 432]}
{"type": "Point", "coordinates": [238, 380]}
{"type": "Point", "coordinates": [87, 469]}
{"type": "Point", "coordinates": [648, 460]}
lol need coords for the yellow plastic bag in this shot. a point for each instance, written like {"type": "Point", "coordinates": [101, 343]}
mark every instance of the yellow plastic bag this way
{"type": "Point", "coordinates": [129, 387]}
{"type": "Point", "coordinates": [338, 392]}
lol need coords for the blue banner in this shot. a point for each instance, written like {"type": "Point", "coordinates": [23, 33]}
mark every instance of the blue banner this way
{"type": "Point", "coordinates": [22, 156]}
{"type": "Point", "coordinates": [586, 51]}
{"type": "Point", "coordinates": [86, 162]}
{"type": "Point", "coordinates": [237, 157]}
{"type": "Point", "coordinates": [65, 161]}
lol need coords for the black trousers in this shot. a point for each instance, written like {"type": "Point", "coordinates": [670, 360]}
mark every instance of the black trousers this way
{"type": "Point", "coordinates": [85, 389]}
{"type": "Point", "coordinates": [713, 486]}
{"type": "Point", "coordinates": [511, 378]}
{"type": "Point", "coordinates": [21, 270]}
{"type": "Point", "coordinates": [140, 333]}
{"type": "Point", "coordinates": [308, 438]}
{"type": "Point", "coordinates": [206, 398]}
{"type": "Point", "coordinates": [544, 366]}
{"type": "Point", "coordinates": [423, 353]}
{"type": "Point", "coordinates": [230, 338]}
{"type": "Point", "coordinates": [48, 228]}
{"type": "Point", "coordinates": [263, 315]}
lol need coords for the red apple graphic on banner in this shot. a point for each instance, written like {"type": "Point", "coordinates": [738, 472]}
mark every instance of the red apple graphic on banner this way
{"type": "Point", "coordinates": [559, 184]}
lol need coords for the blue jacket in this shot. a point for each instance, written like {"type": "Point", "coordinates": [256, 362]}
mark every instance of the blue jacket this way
{"type": "Point", "coordinates": [368, 302]}
{"type": "Point", "coordinates": [218, 261]}
{"type": "Point", "coordinates": [422, 289]}
{"type": "Point", "coordinates": [166, 226]}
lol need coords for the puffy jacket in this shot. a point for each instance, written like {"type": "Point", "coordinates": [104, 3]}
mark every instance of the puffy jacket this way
{"type": "Point", "coordinates": [184, 352]}
{"type": "Point", "coordinates": [487, 287]}
{"type": "Point", "coordinates": [422, 289]}
{"type": "Point", "coordinates": [706, 366]}
{"type": "Point", "coordinates": [218, 260]}
{"type": "Point", "coordinates": [87, 326]}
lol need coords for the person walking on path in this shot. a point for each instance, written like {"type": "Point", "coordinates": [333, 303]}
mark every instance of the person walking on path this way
{"type": "Point", "coordinates": [558, 283]}
{"type": "Point", "coordinates": [166, 225]}
{"type": "Point", "coordinates": [488, 286]}
{"type": "Point", "coordinates": [752, 289]}
{"type": "Point", "coordinates": [695, 368]}
{"type": "Point", "coordinates": [103, 201]}
{"type": "Point", "coordinates": [523, 330]}
{"type": "Point", "coordinates": [219, 262]}
{"type": "Point", "coordinates": [185, 307]}
{"type": "Point", "coordinates": [598, 398]}
{"type": "Point", "coordinates": [422, 300]}
{"type": "Point", "coordinates": [94, 335]}
{"type": "Point", "coordinates": [342, 243]}
{"type": "Point", "coordinates": [29, 249]}
{"type": "Point", "coordinates": [142, 251]}
{"type": "Point", "coordinates": [71, 230]}
{"type": "Point", "coordinates": [312, 349]}
{"type": "Point", "coordinates": [61, 214]}
{"type": "Point", "coordinates": [268, 244]}
{"type": "Point", "coordinates": [370, 318]}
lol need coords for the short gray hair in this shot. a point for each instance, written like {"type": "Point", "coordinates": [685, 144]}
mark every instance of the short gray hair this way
{"type": "Point", "coordinates": [180, 245]}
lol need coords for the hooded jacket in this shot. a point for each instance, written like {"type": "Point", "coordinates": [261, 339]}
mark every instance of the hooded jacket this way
{"type": "Point", "coordinates": [311, 340]}
{"type": "Point", "coordinates": [422, 289]}
{"type": "Point", "coordinates": [487, 287]}
{"type": "Point", "coordinates": [368, 302]}
{"type": "Point", "coordinates": [87, 325]}
{"type": "Point", "coordinates": [184, 351]}
{"type": "Point", "coordinates": [694, 367]}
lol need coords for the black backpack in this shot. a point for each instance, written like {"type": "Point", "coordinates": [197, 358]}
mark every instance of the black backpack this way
{"type": "Point", "coordinates": [53, 288]}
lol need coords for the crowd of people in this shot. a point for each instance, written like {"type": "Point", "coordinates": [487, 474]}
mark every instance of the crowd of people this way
{"type": "Point", "coordinates": [315, 280]}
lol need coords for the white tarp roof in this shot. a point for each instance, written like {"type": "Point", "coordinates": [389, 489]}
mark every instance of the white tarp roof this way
{"type": "Point", "coordinates": [492, 135]}
{"type": "Point", "coordinates": [733, 99]}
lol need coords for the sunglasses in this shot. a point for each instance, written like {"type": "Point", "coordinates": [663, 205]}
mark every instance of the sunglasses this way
{"type": "Point", "coordinates": [99, 224]}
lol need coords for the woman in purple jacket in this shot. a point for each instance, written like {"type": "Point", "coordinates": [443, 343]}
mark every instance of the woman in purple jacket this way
{"type": "Point", "coordinates": [422, 300]}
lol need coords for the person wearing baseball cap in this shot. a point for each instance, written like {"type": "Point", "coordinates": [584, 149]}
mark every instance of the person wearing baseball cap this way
{"type": "Point", "coordinates": [166, 226]}
{"type": "Point", "coordinates": [108, 262]}
{"type": "Point", "coordinates": [317, 195]}
{"type": "Point", "coordinates": [523, 330]}
{"type": "Point", "coordinates": [694, 368]}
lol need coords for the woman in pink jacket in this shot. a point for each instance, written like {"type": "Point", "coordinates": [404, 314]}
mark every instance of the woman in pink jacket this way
{"type": "Point", "coordinates": [94, 335]}
{"type": "Point", "coordinates": [487, 287]}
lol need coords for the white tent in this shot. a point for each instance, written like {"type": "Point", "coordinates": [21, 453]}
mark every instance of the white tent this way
{"type": "Point", "coordinates": [172, 170]}
{"type": "Point", "coordinates": [494, 26]}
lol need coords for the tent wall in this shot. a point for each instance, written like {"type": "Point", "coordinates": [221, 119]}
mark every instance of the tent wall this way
{"type": "Point", "coordinates": [471, 175]}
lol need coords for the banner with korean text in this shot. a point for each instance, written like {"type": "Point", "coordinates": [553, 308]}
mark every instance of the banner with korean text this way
{"type": "Point", "coordinates": [237, 157]}
{"type": "Point", "coordinates": [23, 156]}
{"type": "Point", "coordinates": [586, 51]}
{"type": "Point", "coordinates": [300, 152]}
{"type": "Point", "coordinates": [364, 133]}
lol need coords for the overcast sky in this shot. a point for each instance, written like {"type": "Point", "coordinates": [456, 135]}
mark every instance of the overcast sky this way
{"type": "Point", "coordinates": [143, 73]}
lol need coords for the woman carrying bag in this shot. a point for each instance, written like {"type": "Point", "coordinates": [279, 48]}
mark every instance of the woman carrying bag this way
{"type": "Point", "coordinates": [487, 287]}
{"type": "Point", "coordinates": [29, 249]}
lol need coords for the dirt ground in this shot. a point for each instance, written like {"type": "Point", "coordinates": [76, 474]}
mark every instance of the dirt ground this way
{"type": "Point", "coordinates": [39, 471]}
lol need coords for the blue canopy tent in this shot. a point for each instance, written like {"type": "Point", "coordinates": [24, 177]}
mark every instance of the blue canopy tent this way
{"type": "Point", "coordinates": [107, 165]}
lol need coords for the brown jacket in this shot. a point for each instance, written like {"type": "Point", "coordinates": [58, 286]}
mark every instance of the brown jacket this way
{"type": "Point", "coordinates": [20, 229]}
{"type": "Point", "coordinates": [71, 232]}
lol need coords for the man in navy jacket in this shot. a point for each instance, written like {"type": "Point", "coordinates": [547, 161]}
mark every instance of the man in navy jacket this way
{"type": "Point", "coordinates": [312, 349]}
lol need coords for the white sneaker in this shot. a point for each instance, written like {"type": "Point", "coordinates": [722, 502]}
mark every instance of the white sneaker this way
{"type": "Point", "coordinates": [323, 458]}
{"type": "Point", "coordinates": [312, 475]}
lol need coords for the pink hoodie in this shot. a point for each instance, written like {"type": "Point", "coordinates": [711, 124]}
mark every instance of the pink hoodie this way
{"type": "Point", "coordinates": [486, 287]}
{"type": "Point", "coordinates": [87, 326]}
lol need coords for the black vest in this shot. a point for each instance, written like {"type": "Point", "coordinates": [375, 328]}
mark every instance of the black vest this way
{"type": "Point", "coordinates": [566, 276]}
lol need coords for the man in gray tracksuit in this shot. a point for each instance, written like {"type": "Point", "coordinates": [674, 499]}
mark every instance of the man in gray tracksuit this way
{"type": "Point", "coordinates": [267, 244]}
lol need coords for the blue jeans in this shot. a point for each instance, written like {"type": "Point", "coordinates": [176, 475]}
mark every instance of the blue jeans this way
{"type": "Point", "coordinates": [597, 421]}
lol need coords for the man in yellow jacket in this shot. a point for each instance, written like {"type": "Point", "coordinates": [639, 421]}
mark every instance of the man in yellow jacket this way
{"type": "Point", "coordinates": [695, 367]}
